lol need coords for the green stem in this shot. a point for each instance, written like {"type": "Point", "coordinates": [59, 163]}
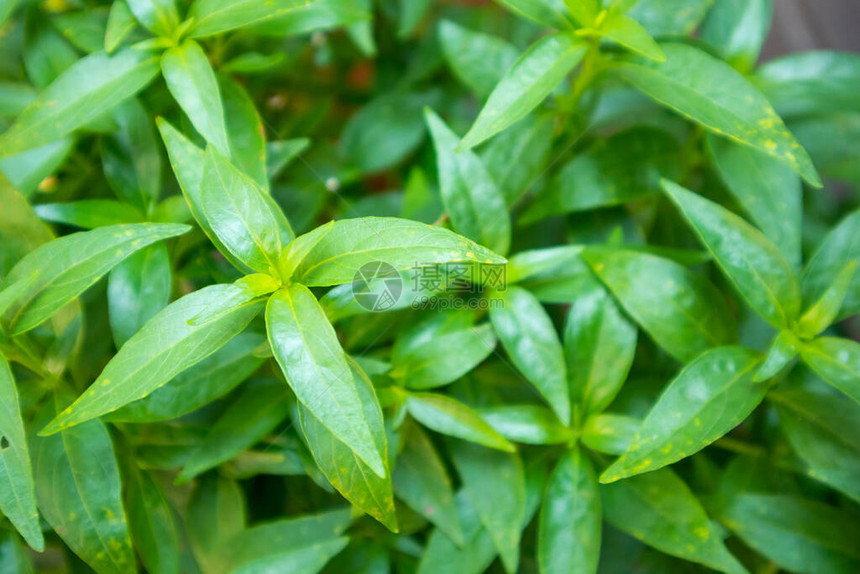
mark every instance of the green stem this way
{"type": "Point", "coordinates": [740, 447]}
{"type": "Point", "coordinates": [586, 74]}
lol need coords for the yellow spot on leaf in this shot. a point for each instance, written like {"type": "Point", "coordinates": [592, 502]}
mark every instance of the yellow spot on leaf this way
{"type": "Point", "coordinates": [702, 532]}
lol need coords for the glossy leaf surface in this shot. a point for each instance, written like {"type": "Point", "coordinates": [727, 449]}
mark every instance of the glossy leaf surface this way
{"type": "Point", "coordinates": [708, 398]}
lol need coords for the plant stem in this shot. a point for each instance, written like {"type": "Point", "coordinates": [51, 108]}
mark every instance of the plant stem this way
{"type": "Point", "coordinates": [740, 447]}
{"type": "Point", "coordinates": [586, 74]}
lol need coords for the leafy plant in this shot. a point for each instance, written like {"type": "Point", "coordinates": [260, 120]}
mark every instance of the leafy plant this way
{"type": "Point", "coordinates": [343, 286]}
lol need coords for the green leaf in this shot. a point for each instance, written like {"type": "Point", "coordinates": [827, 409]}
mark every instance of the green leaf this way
{"type": "Point", "coordinates": [11, 293]}
{"type": "Point", "coordinates": [71, 264]}
{"type": "Point", "coordinates": [346, 301]}
{"type": "Point", "coordinates": [796, 534]}
{"type": "Point", "coordinates": [529, 337]}
{"type": "Point", "coordinates": [158, 16]}
{"type": "Point", "coordinates": [526, 84]}
{"type": "Point", "coordinates": [682, 311]}
{"type": "Point", "coordinates": [830, 140]}
{"type": "Point", "coordinates": [737, 111]}
{"type": "Point", "coordinates": [17, 490]}
{"type": "Point", "coordinates": [421, 480]}
{"type": "Point", "coordinates": [15, 97]}
{"type": "Point", "coordinates": [528, 424]}
{"type": "Point", "coordinates": [824, 431]}
{"type": "Point", "coordinates": [253, 63]}
{"type": "Point", "coordinates": [629, 33]}
{"type": "Point", "coordinates": [81, 500]}
{"type": "Point", "coordinates": [27, 170]}
{"type": "Point", "coordinates": [737, 30]}
{"type": "Point", "coordinates": [708, 398]}
{"type": "Point", "coordinates": [85, 29]}
{"type": "Point", "coordinates": [173, 209]}
{"type": "Point", "coordinates": [260, 407]}
{"type": "Point", "coordinates": [472, 199]}
{"type": "Point", "coordinates": [753, 264]}
{"type": "Point", "coordinates": [350, 475]}
{"type": "Point", "coordinates": [553, 275]}
{"type": "Point", "coordinates": [163, 348]}
{"type": "Point", "coordinates": [218, 16]}
{"type": "Point", "coordinates": [188, 162]}
{"type": "Point", "coordinates": [451, 417]}
{"type": "Point", "coordinates": [198, 385]}
{"type": "Point", "coordinates": [16, 559]}
{"type": "Point", "coordinates": [299, 545]}
{"type": "Point", "coordinates": [120, 24]}
{"type": "Point", "coordinates": [585, 11]}
{"type": "Point", "coordinates": [411, 14]}
{"type": "Point", "coordinates": [782, 351]}
{"type": "Point", "coordinates": [280, 154]}
{"type": "Point", "coordinates": [317, 15]}
{"type": "Point", "coordinates": [769, 192]}
{"type": "Point", "coordinates": [443, 556]}
{"type": "Point", "coordinates": [236, 208]}
{"type": "Point", "coordinates": [622, 168]}
{"type": "Point", "coordinates": [823, 312]}
{"type": "Point", "coordinates": [478, 60]}
{"type": "Point", "coordinates": [361, 35]}
{"type": "Point", "coordinates": [138, 288]}
{"type": "Point", "coordinates": [192, 82]}
{"type": "Point", "coordinates": [241, 292]}
{"type": "Point", "coordinates": [46, 54]}
{"type": "Point", "coordinates": [548, 13]}
{"type": "Point", "coordinates": [811, 82]}
{"type": "Point", "coordinates": [308, 352]}
{"type": "Point", "coordinates": [216, 513]}
{"type": "Point", "coordinates": [131, 156]}
{"type": "Point", "coordinates": [669, 17]}
{"type": "Point", "coordinates": [333, 253]}
{"type": "Point", "coordinates": [8, 8]}
{"type": "Point", "coordinates": [92, 86]}
{"type": "Point", "coordinates": [421, 201]}
{"type": "Point", "coordinates": [838, 249]}
{"type": "Point", "coordinates": [89, 213]}
{"type": "Point", "coordinates": [609, 433]}
{"type": "Point", "coordinates": [599, 346]}
{"type": "Point", "coordinates": [570, 520]}
{"type": "Point", "coordinates": [385, 131]}
{"type": "Point", "coordinates": [516, 158]}
{"type": "Point", "coordinates": [495, 482]}
{"type": "Point", "coordinates": [659, 509]}
{"type": "Point", "coordinates": [246, 132]}
{"type": "Point", "coordinates": [440, 349]}
{"type": "Point", "coordinates": [21, 230]}
{"type": "Point", "coordinates": [150, 519]}
{"type": "Point", "coordinates": [837, 361]}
